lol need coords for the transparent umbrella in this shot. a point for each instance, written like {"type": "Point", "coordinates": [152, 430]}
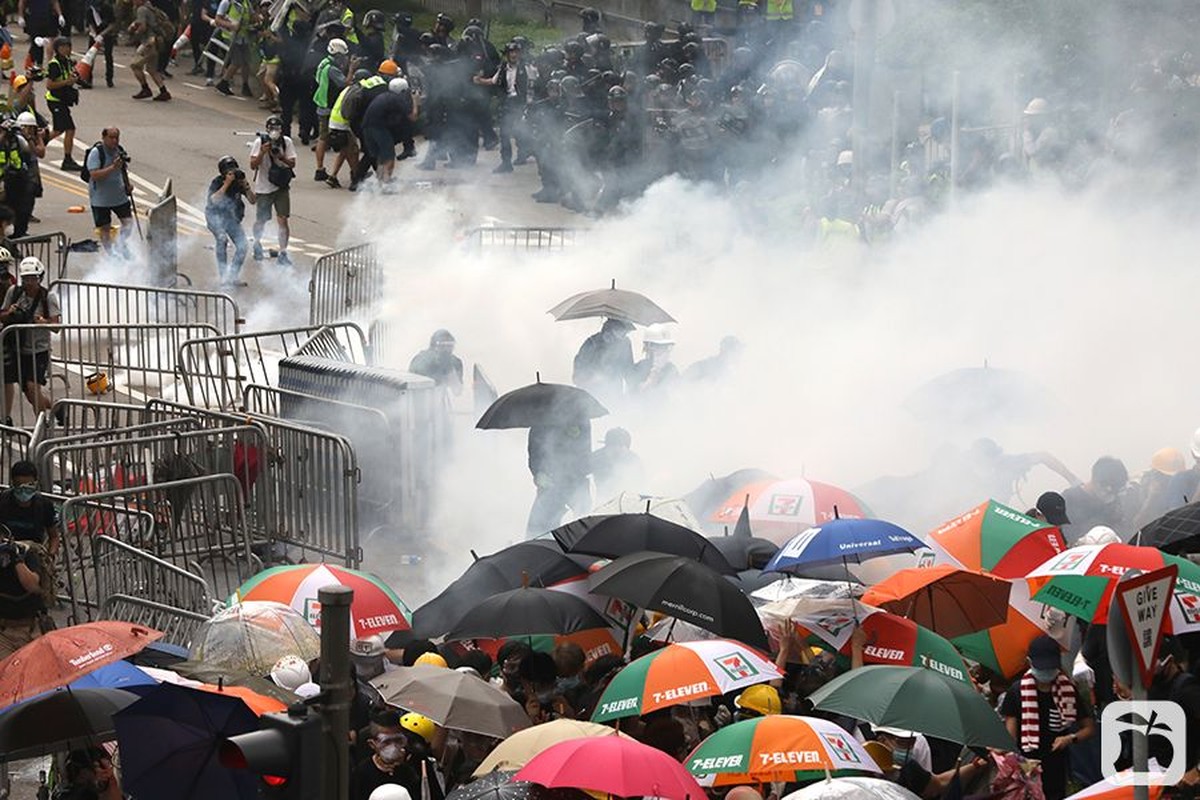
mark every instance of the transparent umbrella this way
{"type": "Point", "coordinates": [253, 635]}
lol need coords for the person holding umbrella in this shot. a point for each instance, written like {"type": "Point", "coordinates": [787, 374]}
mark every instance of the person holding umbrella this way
{"type": "Point", "coordinates": [1045, 714]}
{"type": "Point", "coordinates": [560, 460]}
{"type": "Point", "coordinates": [604, 363]}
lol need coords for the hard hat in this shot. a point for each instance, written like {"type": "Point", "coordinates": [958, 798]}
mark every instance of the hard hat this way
{"type": "Point", "coordinates": [466, 670]}
{"type": "Point", "coordinates": [388, 67]}
{"type": "Point", "coordinates": [761, 698]}
{"type": "Point", "coordinates": [1037, 107]}
{"type": "Point", "coordinates": [1196, 444]}
{"type": "Point", "coordinates": [307, 690]}
{"type": "Point", "coordinates": [657, 334]}
{"type": "Point", "coordinates": [420, 725]}
{"type": "Point", "coordinates": [1168, 461]}
{"type": "Point", "coordinates": [5, 256]}
{"type": "Point", "coordinates": [289, 672]}
{"type": "Point", "coordinates": [368, 647]}
{"type": "Point", "coordinates": [845, 158]}
{"type": "Point", "coordinates": [337, 47]}
{"type": "Point", "coordinates": [397, 86]}
{"type": "Point", "coordinates": [1100, 534]}
{"type": "Point", "coordinates": [19, 81]}
{"type": "Point", "coordinates": [432, 659]}
{"type": "Point", "coordinates": [26, 118]}
{"type": "Point", "coordinates": [880, 754]}
{"type": "Point", "coordinates": [97, 382]}
{"type": "Point", "coordinates": [390, 791]}
{"type": "Point", "coordinates": [31, 265]}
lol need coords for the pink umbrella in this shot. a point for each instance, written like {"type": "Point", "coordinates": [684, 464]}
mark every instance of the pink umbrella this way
{"type": "Point", "coordinates": [612, 764]}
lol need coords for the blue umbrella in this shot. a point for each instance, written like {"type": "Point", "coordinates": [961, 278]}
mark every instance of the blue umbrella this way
{"type": "Point", "coordinates": [842, 540]}
{"type": "Point", "coordinates": [169, 742]}
{"type": "Point", "coordinates": [117, 675]}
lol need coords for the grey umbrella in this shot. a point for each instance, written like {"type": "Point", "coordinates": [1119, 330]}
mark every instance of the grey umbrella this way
{"type": "Point", "coordinates": [538, 404]}
{"type": "Point", "coordinates": [613, 303]}
{"type": "Point", "coordinates": [453, 700]}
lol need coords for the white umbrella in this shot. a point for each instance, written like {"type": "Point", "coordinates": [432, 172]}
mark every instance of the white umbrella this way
{"type": "Point", "coordinates": [790, 587]}
{"type": "Point", "coordinates": [853, 789]}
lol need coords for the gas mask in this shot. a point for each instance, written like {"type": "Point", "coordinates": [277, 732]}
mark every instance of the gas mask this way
{"type": "Point", "coordinates": [390, 750]}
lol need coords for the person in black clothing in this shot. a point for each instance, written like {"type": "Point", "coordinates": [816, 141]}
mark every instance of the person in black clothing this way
{"type": "Point", "coordinates": [203, 14]}
{"type": "Point", "coordinates": [371, 48]}
{"type": "Point", "coordinates": [1173, 682]}
{"type": "Point", "coordinates": [439, 362]}
{"type": "Point", "coordinates": [388, 763]}
{"type": "Point", "coordinates": [224, 211]}
{"type": "Point", "coordinates": [89, 776]}
{"type": "Point", "coordinates": [27, 514]}
{"type": "Point", "coordinates": [408, 41]}
{"type": "Point", "coordinates": [512, 84]}
{"type": "Point", "coordinates": [604, 363]}
{"type": "Point", "coordinates": [388, 119]}
{"type": "Point", "coordinates": [102, 26]}
{"type": "Point", "coordinates": [296, 84]}
{"type": "Point", "coordinates": [60, 84]}
{"type": "Point", "coordinates": [1098, 501]}
{"type": "Point", "coordinates": [22, 604]}
{"type": "Point", "coordinates": [560, 456]}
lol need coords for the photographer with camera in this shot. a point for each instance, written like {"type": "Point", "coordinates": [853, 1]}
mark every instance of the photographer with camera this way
{"type": "Point", "coordinates": [61, 94]}
{"type": "Point", "coordinates": [22, 603]}
{"type": "Point", "coordinates": [27, 358]}
{"type": "Point", "coordinates": [224, 213]}
{"type": "Point", "coordinates": [17, 174]}
{"type": "Point", "coordinates": [109, 191]}
{"type": "Point", "coordinates": [273, 159]}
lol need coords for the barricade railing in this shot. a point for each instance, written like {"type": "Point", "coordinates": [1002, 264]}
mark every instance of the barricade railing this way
{"type": "Point", "coordinates": [137, 360]}
{"type": "Point", "coordinates": [215, 368]}
{"type": "Point", "coordinates": [177, 625]}
{"type": "Point", "coordinates": [69, 477]}
{"type": "Point", "coordinates": [81, 524]}
{"type": "Point", "coordinates": [521, 238]}
{"type": "Point", "coordinates": [124, 569]}
{"type": "Point", "coordinates": [15, 445]}
{"type": "Point", "coordinates": [199, 526]}
{"type": "Point", "coordinates": [50, 248]}
{"type": "Point", "coordinates": [70, 417]}
{"type": "Point", "coordinates": [107, 303]}
{"type": "Point", "coordinates": [345, 285]}
{"type": "Point", "coordinates": [306, 494]}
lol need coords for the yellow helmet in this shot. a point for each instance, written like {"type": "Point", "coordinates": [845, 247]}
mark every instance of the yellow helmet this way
{"type": "Point", "coordinates": [761, 698]}
{"type": "Point", "coordinates": [420, 725]}
{"type": "Point", "coordinates": [432, 659]}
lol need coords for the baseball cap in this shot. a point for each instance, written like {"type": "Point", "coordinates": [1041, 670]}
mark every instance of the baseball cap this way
{"type": "Point", "coordinates": [1053, 508]}
{"type": "Point", "coordinates": [1045, 653]}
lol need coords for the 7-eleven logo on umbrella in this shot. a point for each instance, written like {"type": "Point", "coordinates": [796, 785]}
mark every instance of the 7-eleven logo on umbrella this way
{"type": "Point", "coordinates": [736, 667]}
{"type": "Point", "coordinates": [841, 747]}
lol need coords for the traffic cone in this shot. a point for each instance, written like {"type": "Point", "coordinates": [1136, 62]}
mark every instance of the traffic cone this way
{"type": "Point", "coordinates": [83, 69]}
{"type": "Point", "coordinates": [6, 62]}
{"type": "Point", "coordinates": [182, 41]}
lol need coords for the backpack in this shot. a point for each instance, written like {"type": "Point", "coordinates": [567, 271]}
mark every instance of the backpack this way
{"type": "Point", "coordinates": [85, 174]}
{"type": "Point", "coordinates": [164, 29]}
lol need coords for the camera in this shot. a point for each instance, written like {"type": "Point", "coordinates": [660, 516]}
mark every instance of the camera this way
{"type": "Point", "coordinates": [10, 553]}
{"type": "Point", "coordinates": [239, 176]}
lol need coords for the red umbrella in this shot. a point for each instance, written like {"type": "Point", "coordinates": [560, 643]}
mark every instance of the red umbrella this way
{"type": "Point", "coordinates": [611, 764]}
{"type": "Point", "coordinates": [944, 598]}
{"type": "Point", "coordinates": [61, 656]}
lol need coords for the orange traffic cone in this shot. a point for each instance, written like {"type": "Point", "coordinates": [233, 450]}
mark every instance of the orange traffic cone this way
{"type": "Point", "coordinates": [182, 41]}
{"type": "Point", "coordinates": [83, 69]}
{"type": "Point", "coordinates": [6, 62]}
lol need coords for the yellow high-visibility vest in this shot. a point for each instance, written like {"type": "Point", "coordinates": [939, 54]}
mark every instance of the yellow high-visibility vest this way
{"type": "Point", "coordinates": [779, 9]}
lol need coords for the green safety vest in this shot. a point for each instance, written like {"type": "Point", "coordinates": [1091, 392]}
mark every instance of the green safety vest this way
{"type": "Point", "coordinates": [348, 20]}
{"type": "Point", "coordinates": [704, 6]}
{"type": "Point", "coordinates": [237, 13]}
{"type": "Point", "coordinates": [10, 160]}
{"type": "Point", "coordinates": [68, 69]}
{"type": "Point", "coordinates": [321, 95]}
{"type": "Point", "coordinates": [372, 82]}
{"type": "Point", "coordinates": [779, 9]}
{"type": "Point", "coordinates": [335, 113]}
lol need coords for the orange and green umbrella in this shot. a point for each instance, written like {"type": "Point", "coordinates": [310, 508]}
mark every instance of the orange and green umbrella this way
{"type": "Point", "coordinates": [1002, 648]}
{"type": "Point", "coordinates": [1081, 582]}
{"type": "Point", "coordinates": [777, 748]}
{"type": "Point", "coordinates": [998, 539]}
{"type": "Point", "coordinates": [680, 673]}
{"type": "Point", "coordinates": [376, 609]}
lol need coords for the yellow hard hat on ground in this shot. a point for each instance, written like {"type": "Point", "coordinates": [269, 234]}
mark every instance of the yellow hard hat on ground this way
{"type": "Point", "coordinates": [762, 698]}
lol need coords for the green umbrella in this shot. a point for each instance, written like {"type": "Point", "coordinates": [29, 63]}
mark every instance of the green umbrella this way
{"type": "Point", "coordinates": [915, 699]}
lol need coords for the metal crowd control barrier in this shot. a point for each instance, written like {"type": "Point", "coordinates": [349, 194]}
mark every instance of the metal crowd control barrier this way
{"type": "Point", "coordinates": [215, 368]}
{"type": "Point", "coordinates": [138, 359]}
{"type": "Point", "coordinates": [306, 494]}
{"type": "Point", "coordinates": [51, 248]}
{"type": "Point", "coordinates": [520, 238]}
{"type": "Point", "coordinates": [129, 570]}
{"type": "Point", "coordinates": [82, 523]}
{"type": "Point", "coordinates": [15, 445]}
{"type": "Point", "coordinates": [177, 625]}
{"type": "Point", "coordinates": [73, 417]}
{"type": "Point", "coordinates": [418, 417]}
{"type": "Point", "coordinates": [345, 285]}
{"type": "Point", "coordinates": [199, 526]}
{"type": "Point", "coordinates": [107, 303]}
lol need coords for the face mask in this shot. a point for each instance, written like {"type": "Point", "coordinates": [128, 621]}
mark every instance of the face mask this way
{"type": "Point", "coordinates": [275, 135]}
{"type": "Point", "coordinates": [25, 492]}
{"type": "Point", "coordinates": [899, 756]}
{"type": "Point", "coordinates": [1044, 675]}
{"type": "Point", "coordinates": [391, 753]}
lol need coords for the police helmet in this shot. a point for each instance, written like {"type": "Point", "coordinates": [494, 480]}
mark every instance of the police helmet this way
{"type": "Point", "coordinates": [227, 164]}
{"type": "Point", "coordinates": [373, 20]}
{"type": "Point", "coordinates": [476, 21]}
{"type": "Point", "coordinates": [590, 14]}
{"type": "Point", "coordinates": [426, 39]}
{"type": "Point", "coordinates": [405, 20]}
{"type": "Point", "coordinates": [438, 51]}
{"type": "Point", "coordinates": [552, 56]}
{"type": "Point", "coordinates": [570, 86]}
{"type": "Point", "coordinates": [445, 21]}
{"type": "Point", "coordinates": [691, 51]}
{"type": "Point", "coordinates": [472, 32]}
{"type": "Point", "coordinates": [685, 71]}
{"type": "Point", "coordinates": [573, 48]}
{"type": "Point", "coordinates": [558, 74]}
{"type": "Point", "coordinates": [360, 74]}
{"type": "Point", "coordinates": [601, 42]}
{"type": "Point", "coordinates": [690, 38]}
{"type": "Point", "coordinates": [618, 93]}
{"type": "Point", "coordinates": [684, 28]}
{"type": "Point", "coordinates": [653, 30]}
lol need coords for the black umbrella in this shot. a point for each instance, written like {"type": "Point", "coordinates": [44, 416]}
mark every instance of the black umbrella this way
{"type": "Point", "coordinates": [683, 588]}
{"type": "Point", "coordinates": [615, 535]}
{"type": "Point", "coordinates": [541, 562]}
{"type": "Point", "coordinates": [751, 580]}
{"type": "Point", "coordinates": [539, 404]}
{"type": "Point", "coordinates": [613, 303]}
{"type": "Point", "coordinates": [706, 499]}
{"type": "Point", "coordinates": [60, 720]}
{"type": "Point", "coordinates": [527, 612]}
{"type": "Point", "coordinates": [742, 548]}
{"type": "Point", "coordinates": [1176, 532]}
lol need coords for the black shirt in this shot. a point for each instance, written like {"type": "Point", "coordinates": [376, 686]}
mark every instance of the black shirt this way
{"type": "Point", "coordinates": [1049, 726]}
{"type": "Point", "coordinates": [914, 777]}
{"type": "Point", "coordinates": [15, 602]}
{"type": "Point", "coordinates": [229, 206]}
{"type": "Point", "coordinates": [27, 523]}
{"type": "Point", "coordinates": [367, 777]}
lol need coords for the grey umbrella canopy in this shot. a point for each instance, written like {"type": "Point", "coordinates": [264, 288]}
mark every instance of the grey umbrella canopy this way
{"type": "Point", "coordinates": [453, 700]}
{"type": "Point", "coordinates": [613, 303]}
{"type": "Point", "coordinates": [527, 612]}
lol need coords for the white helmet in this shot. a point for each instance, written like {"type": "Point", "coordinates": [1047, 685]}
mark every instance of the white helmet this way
{"type": "Point", "coordinates": [390, 791]}
{"type": "Point", "coordinates": [307, 690]}
{"type": "Point", "coordinates": [1100, 534]}
{"type": "Point", "coordinates": [1037, 106]}
{"type": "Point", "coordinates": [26, 118]}
{"type": "Point", "coordinates": [290, 672]}
{"type": "Point", "coordinates": [398, 85]}
{"type": "Point", "coordinates": [31, 265]}
{"type": "Point", "coordinates": [5, 256]}
{"type": "Point", "coordinates": [657, 334]}
{"type": "Point", "coordinates": [845, 158]}
{"type": "Point", "coordinates": [337, 47]}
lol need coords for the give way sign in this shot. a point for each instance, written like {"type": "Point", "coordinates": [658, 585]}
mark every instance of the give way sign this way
{"type": "Point", "coordinates": [1143, 602]}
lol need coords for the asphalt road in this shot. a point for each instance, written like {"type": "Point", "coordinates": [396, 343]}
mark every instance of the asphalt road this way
{"type": "Point", "coordinates": [182, 140]}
